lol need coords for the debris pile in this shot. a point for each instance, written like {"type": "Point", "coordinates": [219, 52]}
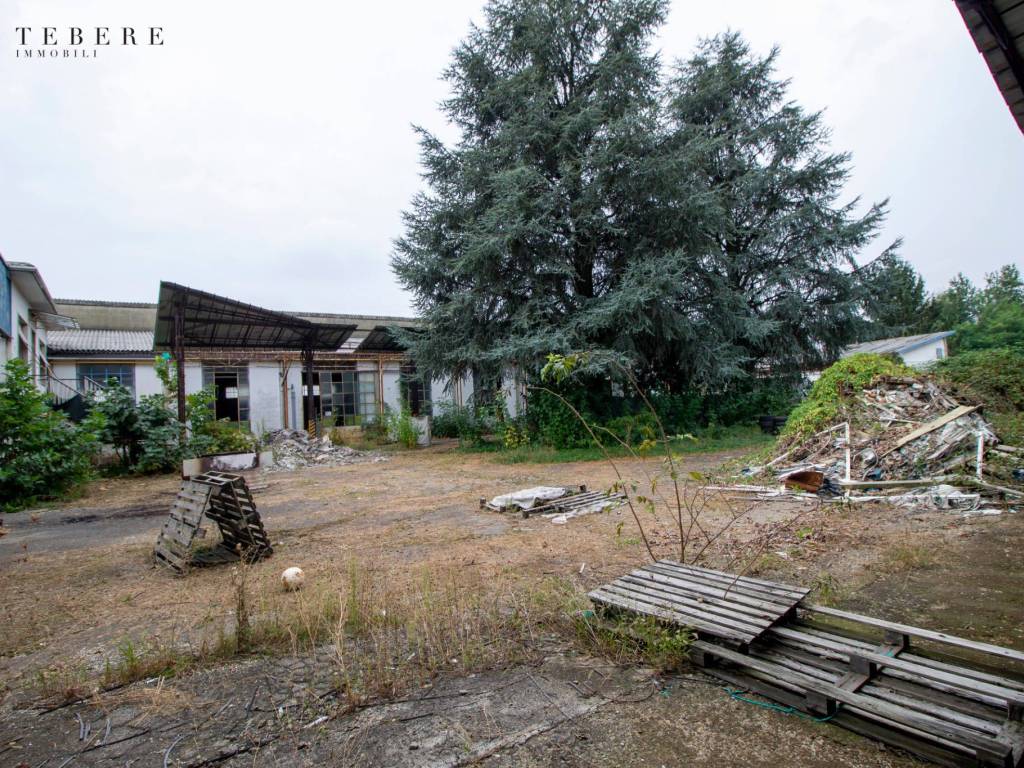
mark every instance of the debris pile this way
{"type": "Point", "coordinates": [559, 505]}
{"type": "Point", "coordinates": [294, 449]}
{"type": "Point", "coordinates": [899, 428]}
{"type": "Point", "coordinates": [902, 435]}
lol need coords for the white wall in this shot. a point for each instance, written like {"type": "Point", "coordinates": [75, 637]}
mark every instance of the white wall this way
{"type": "Point", "coordinates": [264, 397]}
{"type": "Point", "coordinates": [146, 380]}
{"type": "Point", "coordinates": [20, 310]}
{"type": "Point", "coordinates": [925, 354]}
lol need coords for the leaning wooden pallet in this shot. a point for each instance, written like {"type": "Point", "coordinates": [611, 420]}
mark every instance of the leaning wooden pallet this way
{"type": "Point", "coordinates": [225, 499]}
{"type": "Point", "coordinates": [865, 674]}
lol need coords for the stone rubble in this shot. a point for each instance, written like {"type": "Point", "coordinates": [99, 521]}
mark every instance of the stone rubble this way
{"type": "Point", "coordinates": [293, 449]}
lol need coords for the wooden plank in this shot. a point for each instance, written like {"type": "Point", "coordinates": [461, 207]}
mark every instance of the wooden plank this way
{"type": "Point", "coordinates": [931, 426]}
{"type": "Point", "coordinates": [764, 618]}
{"type": "Point", "coordinates": [771, 586]}
{"type": "Point", "coordinates": [983, 745]}
{"type": "Point", "coordinates": [917, 659]}
{"type": "Point", "coordinates": [676, 617]}
{"type": "Point", "coordinates": [926, 634]}
{"type": "Point", "coordinates": [693, 609]}
{"type": "Point", "coordinates": [957, 683]}
{"type": "Point", "coordinates": [695, 585]}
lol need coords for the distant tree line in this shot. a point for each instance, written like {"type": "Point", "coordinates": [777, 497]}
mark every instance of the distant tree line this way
{"type": "Point", "coordinates": [989, 317]}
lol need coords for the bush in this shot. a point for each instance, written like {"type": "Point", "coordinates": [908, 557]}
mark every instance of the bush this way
{"type": "Point", "coordinates": [994, 378]}
{"type": "Point", "coordinates": [632, 430]}
{"type": "Point", "coordinates": [554, 424]}
{"type": "Point", "coordinates": [42, 454]}
{"type": "Point", "coordinates": [823, 405]}
{"type": "Point", "coordinates": [461, 421]}
{"type": "Point", "coordinates": [401, 428]}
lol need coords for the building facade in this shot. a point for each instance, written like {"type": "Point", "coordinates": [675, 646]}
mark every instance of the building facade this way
{"type": "Point", "coordinates": [263, 391]}
{"type": "Point", "coordinates": [27, 317]}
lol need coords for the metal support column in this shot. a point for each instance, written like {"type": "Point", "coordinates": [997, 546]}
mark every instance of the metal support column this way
{"type": "Point", "coordinates": [179, 360]}
{"type": "Point", "coordinates": [307, 364]}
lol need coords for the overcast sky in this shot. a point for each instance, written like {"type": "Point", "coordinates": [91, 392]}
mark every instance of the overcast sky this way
{"type": "Point", "coordinates": [267, 154]}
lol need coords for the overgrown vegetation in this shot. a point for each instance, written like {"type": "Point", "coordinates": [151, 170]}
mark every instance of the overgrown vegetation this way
{"type": "Point", "coordinates": [383, 635]}
{"type": "Point", "coordinates": [845, 379]}
{"type": "Point", "coordinates": [147, 435]}
{"type": "Point", "coordinates": [995, 378]}
{"type": "Point", "coordinates": [633, 639]}
{"type": "Point", "coordinates": [43, 455]}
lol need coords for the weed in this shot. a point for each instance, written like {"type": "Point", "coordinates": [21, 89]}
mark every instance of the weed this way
{"type": "Point", "coordinates": [907, 557]}
{"type": "Point", "coordinates": [634, 639]}
{"type": "Point", "coordinates": [828, 589]}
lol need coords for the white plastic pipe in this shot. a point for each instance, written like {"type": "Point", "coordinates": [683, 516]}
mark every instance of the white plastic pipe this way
{"type": "Point", "coordinates": [981, 453]}
{"type": "Point", "coordinates": [847, 425]}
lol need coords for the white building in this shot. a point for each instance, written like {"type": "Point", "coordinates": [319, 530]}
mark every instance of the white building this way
{"type": "Point", "coordinates": [265, 390]}
{"type": "Point", "coordinates": [27, 316]}
{"type": "Point", "coordinates": [917, 351]}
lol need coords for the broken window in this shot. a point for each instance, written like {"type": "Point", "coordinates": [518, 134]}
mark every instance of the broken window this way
{"type": "Point", "coordinates": [415, 391]}
{"type": "Point", "coordinates": [230, 385]}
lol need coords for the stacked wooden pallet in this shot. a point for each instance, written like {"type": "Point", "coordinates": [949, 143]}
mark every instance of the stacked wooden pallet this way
{"type": "Point", "coordinates": [851, 670]}
{"type": "Point", "coordinates": [225, 499]}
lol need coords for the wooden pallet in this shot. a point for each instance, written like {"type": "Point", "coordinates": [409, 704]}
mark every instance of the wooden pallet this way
{"type": "Point", "coordinates": [717, 605]}
{"type": "Point", "coordinates": [854, 671]}
{"type": "Point", "coordinates": [225, 499]}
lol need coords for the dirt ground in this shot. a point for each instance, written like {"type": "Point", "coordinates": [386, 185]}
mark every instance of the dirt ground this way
{"type": "Point", "coordinates": [77, 582]}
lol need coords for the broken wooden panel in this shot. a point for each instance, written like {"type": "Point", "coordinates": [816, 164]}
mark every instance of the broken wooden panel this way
{"type": "Point", "coordinates": [225, 499]}
{"type": "Point", "coordinates": [861, 673]}
{"type": "Point", "coordinates": [715, 604]}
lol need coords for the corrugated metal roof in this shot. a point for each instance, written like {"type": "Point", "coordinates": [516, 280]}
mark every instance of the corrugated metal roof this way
{"type": "Point", "coordinates": [92, 340]}
{"type": "Point", "coordinates": [997, 27]}
{"type": "Point", "coordinates": [895, 345]}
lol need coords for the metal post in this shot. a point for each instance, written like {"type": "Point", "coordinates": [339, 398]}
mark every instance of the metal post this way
{"type": "Point", "coordinates": [307, 360]}
{"type": "Point", "coordinates": [179, 360]}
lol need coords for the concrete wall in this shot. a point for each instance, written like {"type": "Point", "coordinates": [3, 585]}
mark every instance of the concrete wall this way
{"type": "Point", "coordinates": [146, 380]}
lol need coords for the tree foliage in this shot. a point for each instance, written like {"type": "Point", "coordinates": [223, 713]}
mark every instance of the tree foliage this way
{"type": "Point", "coordinates": [689, 225]}
{"type": "Point", "coordinates": [895, 297]}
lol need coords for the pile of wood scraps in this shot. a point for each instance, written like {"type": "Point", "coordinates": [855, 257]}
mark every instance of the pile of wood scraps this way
{"type": "Point", "coordinates": [903, 685]}
{"type": "Point", "coordinates": [555, 503]}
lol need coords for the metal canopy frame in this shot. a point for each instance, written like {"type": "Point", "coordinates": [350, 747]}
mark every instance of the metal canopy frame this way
{"type": "Point", "coordinates": [187, 318]}
{"type": "Point", "coordinates": [997, 27]}
{"type": "Point", "coordinates": [380, 339]}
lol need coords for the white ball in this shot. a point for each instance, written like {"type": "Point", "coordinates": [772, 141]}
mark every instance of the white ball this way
{"type": "Point", "coordinates": [292, 578]}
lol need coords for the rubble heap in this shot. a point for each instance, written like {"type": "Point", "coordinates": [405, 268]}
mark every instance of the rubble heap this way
{"type": "Point", "coordinates": [900, 428]}
{"type": "Point", "coordinates": [294, 449]}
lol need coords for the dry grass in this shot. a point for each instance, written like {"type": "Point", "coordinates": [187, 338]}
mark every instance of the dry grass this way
{"type": "Point", "coordinates": [907, 557]}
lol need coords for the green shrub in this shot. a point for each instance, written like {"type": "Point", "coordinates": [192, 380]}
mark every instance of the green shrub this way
{"type": "Point", "coordinates": [401, 428]}
{"type": "Point", "coordinates": [823, 405]}
{"type": "Point", "coordinates": [42, 454]}
{"type": "Point", "coordinates": [994, 378]}
{"type": "Point", "coordinates": [554, 424]}
{"type": "Point", "coordinates": [466, 423]}
{"type": "Point", "coordinates": [633, 429]}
